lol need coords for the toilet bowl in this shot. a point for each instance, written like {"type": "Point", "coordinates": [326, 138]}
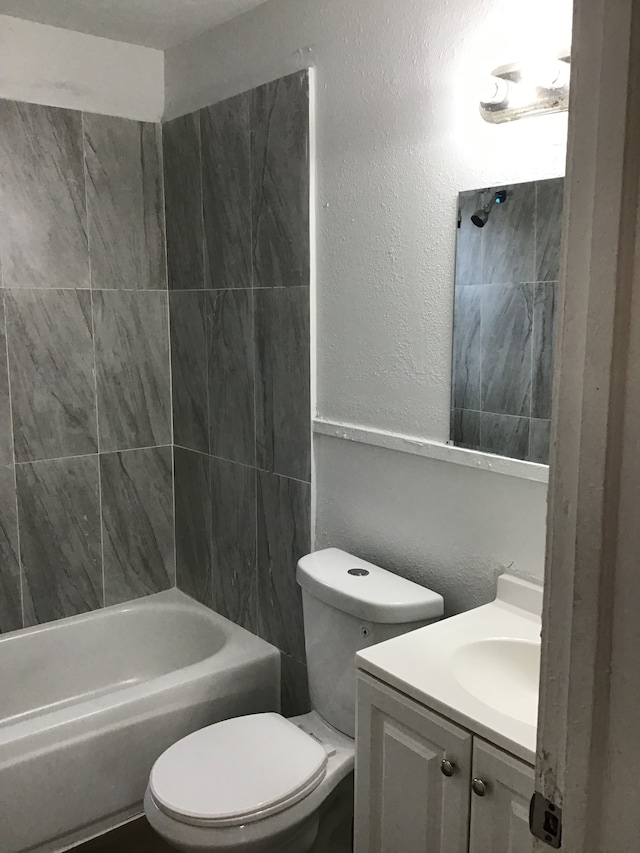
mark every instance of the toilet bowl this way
{"type": "Point", "coordinates": [266, 784]}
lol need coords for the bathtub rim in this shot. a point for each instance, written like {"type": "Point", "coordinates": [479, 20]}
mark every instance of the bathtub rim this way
{"type": "Point", "coordinates": [240, 647]}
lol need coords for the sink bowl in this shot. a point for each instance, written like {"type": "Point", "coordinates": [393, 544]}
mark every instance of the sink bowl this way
{"type": "Point", "coordinates": [503, 673]}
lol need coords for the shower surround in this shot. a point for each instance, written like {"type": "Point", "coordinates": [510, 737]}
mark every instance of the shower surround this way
{"type": "Point", "coordinates": [240, 339]}
{"type": "Point", "coordinates": [100, 322]}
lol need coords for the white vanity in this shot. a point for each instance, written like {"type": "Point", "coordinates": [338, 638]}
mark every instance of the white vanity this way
{"type": "Point", "coordinates": [446, 731]}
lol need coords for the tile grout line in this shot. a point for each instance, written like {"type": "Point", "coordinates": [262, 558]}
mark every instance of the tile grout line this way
{"type": "Point", "coordinates": [94, 289]}
{"type": "Point", "coordinates": [13, 452]}
{"type": "Point", "coordinates": [205, 305]}
{"type": "Point", "coordinates": [89, 455]}
{"type": "Point", "coordinates": [482, 276]}
{"type": "Point", "coordinates": [255, 550]}
{"type": "Point", "coordinates": [185, 289]}
{"type": "Point", "coordinates": [93, 345]}
{"type": "Point", "coordinates": [207, 330]}
{"type": "Point", "coordinates": [160, 137]}
{"type": "Point", "coordinates": [254, 350]}
{"type": "Point", "coordinates": [533, 308]}
{"type": "Point", "coordinates": [312, 298]}
{"type": "Point", "coordinates": [254, 365]}
{"type": "Point", "coordinates": [198, 115]}
{"type": "Point", "coordinates": [207, 325]}
{"type": "Point", "coordinates": [172, 446]}
{"type": "Point", "coordinates": [486, 412]}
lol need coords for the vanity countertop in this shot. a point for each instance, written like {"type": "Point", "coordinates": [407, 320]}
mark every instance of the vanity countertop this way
{"type": "Point", "coordinates": [479, 669]}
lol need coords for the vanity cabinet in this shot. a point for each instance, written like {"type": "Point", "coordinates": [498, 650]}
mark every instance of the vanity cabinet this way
{"type": "Point", "coordinates": [414, 775]}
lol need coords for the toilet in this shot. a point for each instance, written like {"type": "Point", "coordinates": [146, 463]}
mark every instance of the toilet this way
{"type": "Point", "coordinates": [266, 784]}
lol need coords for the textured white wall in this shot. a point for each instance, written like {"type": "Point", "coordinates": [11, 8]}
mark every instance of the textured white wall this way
{"type": "Point", "coordinates": [398, 135]}
{"type": "Point", "coordinates": [449, 527]}
{"type": "Point", "coordinates": [60, 68]}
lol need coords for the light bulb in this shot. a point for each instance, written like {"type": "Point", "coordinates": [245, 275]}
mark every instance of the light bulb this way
{"type": "Point", "coordinates": [494, 90]}
{"type": "Point", "coordinates": [546, 73]}
{"type": "Point", "coordinates": [555, 76]}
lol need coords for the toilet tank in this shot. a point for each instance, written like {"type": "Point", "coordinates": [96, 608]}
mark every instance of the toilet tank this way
{"type": "Point", "coordinates": [350, 604]}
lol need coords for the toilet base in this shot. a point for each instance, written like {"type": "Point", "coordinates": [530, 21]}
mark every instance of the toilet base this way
{"type": "Point", "coordinates": [335, 830]}
{"type": "Point", "coordinates": [189, 839]}
{"type": "Point", "coordinates": [327, 830]}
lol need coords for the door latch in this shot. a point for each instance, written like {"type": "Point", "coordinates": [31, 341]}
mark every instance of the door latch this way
{"type": "Point", "coordinates": [545, 821]}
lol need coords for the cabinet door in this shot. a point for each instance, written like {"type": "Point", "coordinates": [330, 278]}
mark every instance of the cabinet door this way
{"type": "Point", "coordinates": [500, 818]}
{"type": "Point", "coordinates": [404, 802]}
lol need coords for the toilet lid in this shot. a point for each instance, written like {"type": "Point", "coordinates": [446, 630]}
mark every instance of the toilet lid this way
{"type": "Point", "coordinates": [236, 771]}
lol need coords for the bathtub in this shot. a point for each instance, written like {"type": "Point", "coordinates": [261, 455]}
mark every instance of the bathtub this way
{"type": "Point", "coordinates": [88, 703]}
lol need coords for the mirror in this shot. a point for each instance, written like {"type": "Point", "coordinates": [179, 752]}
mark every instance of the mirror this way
{"type": "Point", "coordinates": [507, 270]}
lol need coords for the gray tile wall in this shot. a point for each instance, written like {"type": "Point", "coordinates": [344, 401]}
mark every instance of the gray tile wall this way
{"type": "Point", "coordinates": [505, 294]}
{"type": "Point", "coordinates": [98, 320]}
{"type": "Point", "coordinates": [237, 178]}
{"type": "Point", "coordinates": [86, 481]}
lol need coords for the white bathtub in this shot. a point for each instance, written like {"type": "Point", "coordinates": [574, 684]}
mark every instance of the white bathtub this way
{"type": "Point", "coordinates": [88, 703]}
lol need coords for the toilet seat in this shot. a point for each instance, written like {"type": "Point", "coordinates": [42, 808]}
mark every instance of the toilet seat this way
{"type": "Point", "coordinates": [237, 771]}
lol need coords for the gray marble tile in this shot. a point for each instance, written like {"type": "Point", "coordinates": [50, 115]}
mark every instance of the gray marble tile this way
{"type": "Point", "coordinates": [233, 537]}
{"type": "Point", "coordinates": [183, 202]}
{"type": "Point", "coordinates": [294, 688]}
{"type": "Point", "coordinates": [283, 381]}
{"type": "Point", "coordinates": [10, 595]}
{"type": "Point", "coordinates": [280, 182]}
{"type": "Point", "coordinates": [231, 376]}
{"type": "Point", "coordinates": [58, 507]}
{"type": "Point", "coordinates": [466, 348]}
{"type": "Point", "coordinates": [125, 203]}
{"type": "Point", "coordinates": [549, 199]}
{"type": "Point", "coordinates": [539, 440]}
{"type": "Point", "coordinates": [465, 428]}
{"type": "Point", "coordinates": [226, 192]}
{"type": "Point", "coordinates": [505, 435]}
{"type": "Point", "coordinates": [284, 535]}
{"type": "Point", "coordinates": [50, 344]}
{"type": "Point", "coordinates": [469, 239]}
{"type": "Point", "coordinates": [542, 366]}
{"type": "Point", "coordinates": [137, 523]}
{"type": "Point", "coordinates": [508, 238]}
{"type": "Point", "coordinates": [43, 239]}
{"type": "Point", "coordinates": [133, 368]}
{"type": "Point", "coordinates": [6, 436]}
{"type": "Point", "coordinates": [193, 524]}
{"type": "Point", "coordinates": [188, 321]}
{"type": "Point", "coordinates": [507, 320]}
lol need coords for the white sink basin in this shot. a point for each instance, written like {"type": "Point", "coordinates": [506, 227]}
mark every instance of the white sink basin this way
{"type": "Point", "coordinates": [480, 668]}
{"type": "Point", "coordinates": [502, 672]}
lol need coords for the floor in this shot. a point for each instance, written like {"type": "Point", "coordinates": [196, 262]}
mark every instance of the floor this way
{"type": "Point", "coordinates": [134, 837]}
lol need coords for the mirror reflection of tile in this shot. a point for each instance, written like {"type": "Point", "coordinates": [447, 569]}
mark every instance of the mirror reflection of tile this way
{"type": "Point", "coordinates": [505, 295]}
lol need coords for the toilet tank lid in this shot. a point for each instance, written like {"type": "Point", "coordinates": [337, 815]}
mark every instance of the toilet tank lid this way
{"type": "Point", "coordinates": [364, 590]}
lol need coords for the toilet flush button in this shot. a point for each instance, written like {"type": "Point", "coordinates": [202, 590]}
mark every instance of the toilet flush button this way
{"type": "Point", "coordinates": [359, 573]}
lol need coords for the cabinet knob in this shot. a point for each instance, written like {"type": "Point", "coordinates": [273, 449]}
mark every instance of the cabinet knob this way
{"type": "Point", "coordinates": [479, 787]}
{"type": "Point", "coordinates": [447, 768]}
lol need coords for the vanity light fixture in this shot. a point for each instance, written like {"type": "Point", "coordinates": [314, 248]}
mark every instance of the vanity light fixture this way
{"type": "Point", "coordinates": [526, 89]}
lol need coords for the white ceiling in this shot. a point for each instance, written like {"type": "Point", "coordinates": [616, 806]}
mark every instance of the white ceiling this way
{"type": "Point", "coordinates": [153, 23]}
